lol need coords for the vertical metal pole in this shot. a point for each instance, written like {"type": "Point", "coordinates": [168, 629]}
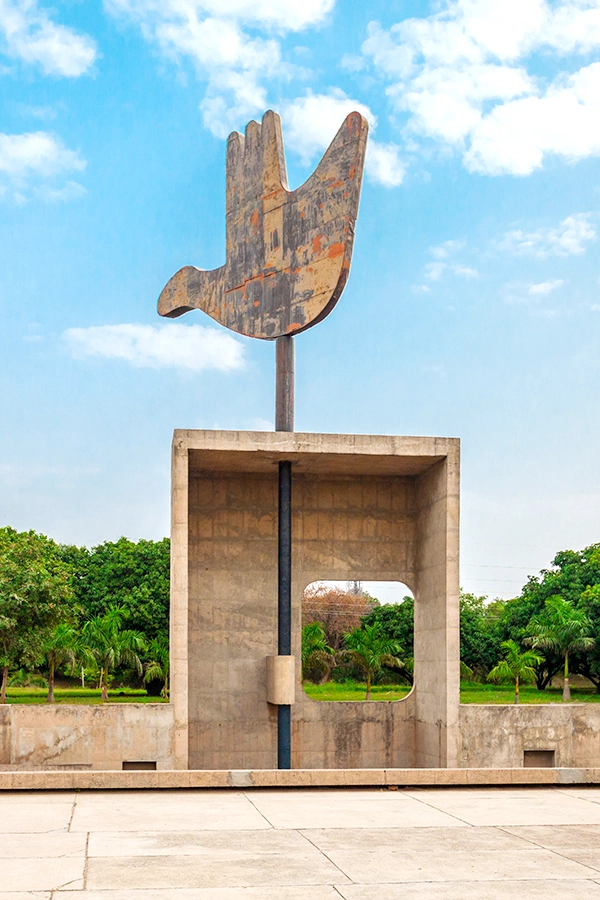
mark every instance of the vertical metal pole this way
{"type": "Point", "coordinates": [284, 388]}
{"type": "Point", "coordinates": [284, 421]}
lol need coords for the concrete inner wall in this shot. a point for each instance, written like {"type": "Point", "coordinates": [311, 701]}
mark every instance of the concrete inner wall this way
{"type": "Point", "coordinates": [498, 736]}
{"type": "Point", "coordinates": [376, 511]}
{"type": "Point", "coordinates": [86, 737]}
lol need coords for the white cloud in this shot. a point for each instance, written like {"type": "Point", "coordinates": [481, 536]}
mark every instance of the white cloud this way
{"type": "Point", "coordinates": [29, 34]}
{"type": "Point", "coordinates": [276, 15]}
{"type": "Point", "coordinates": [545, 287]}
{"type": "Point", "coordinates": [159, 346]}
{"type": "Point", "coordinates": [312, 121]}
{"type": "Point", "coordinates": [435, 270]}
{"type": "Point", "coordinates": [568, 239]}
{"type": "Point", "coordinates": [443, 251]}
{"type": "Point", "coordinates": [460, 77]}
{"type": "Point", "coordinates": [212, 34]}
{"type": "Point", "coordinates": [383, 164]}
{"type": "Point", "coordinates": [442, 262]}
{"type": "Point", "coordinates": [33, 163]}
{"type": "Point", "coordinates": [37, 152]}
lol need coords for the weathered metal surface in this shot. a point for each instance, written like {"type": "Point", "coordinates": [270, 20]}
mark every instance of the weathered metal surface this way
{"type": "Point", "coordinates": [288, 253]}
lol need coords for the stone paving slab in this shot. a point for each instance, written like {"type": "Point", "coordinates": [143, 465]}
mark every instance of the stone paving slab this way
{"type": "Point", "coordinates": [45, 845]}
{"type": "Point", "coordinates": [364, 808]}
{"type": "Point", "coordinates": [301, 892]}
{"type": "Point", "coordinates": [357, 844]}
{"type": "Point", "coordinates": [236, 871]}
{"type": "Point", "coordinates": [211, 845]}
{"type": "Point", "coordinates": [575, 839]}
{"type": "Point", "coordinates": [388, 866]}
{"type": "Point", "coordinates": [28, 895]}
{"type": "Point", "coordinates": [173, 811]}
{"type": "Point", "coordinates": [35, 812]}
{"type": "Point", "coordinates": [416, 840]}
{"type": "Point", "coordinates": [500, 890]}
{"type": "Point", "coordinates": [38, 874]}
{"type": "Point", "coordinates": [512, 806]}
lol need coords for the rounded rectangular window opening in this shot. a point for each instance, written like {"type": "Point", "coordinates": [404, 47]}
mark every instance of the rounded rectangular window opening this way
{"type": "Point", "coordinates": [357, 641]}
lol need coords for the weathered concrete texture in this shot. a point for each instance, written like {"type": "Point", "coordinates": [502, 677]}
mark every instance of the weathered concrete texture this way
{"type": "Point", "coordinates": [288, 253]}
{"type": "Point", "coordinates": [65, 779]}
{"type": "Point", "coordinates": [498, 736]}
{"type": "Point", "coordinates": [86, 737]}
{"type": "Point", "coordinates": [365, 508]}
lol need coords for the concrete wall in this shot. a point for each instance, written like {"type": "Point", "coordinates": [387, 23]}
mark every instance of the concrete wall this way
{"type": "Point", "coordinates": [365, 508]}
{"type": "Point", "coordinates": [437, 638]}
{"type": "Point", "coordinates": [86, 737]}
{"type": "Point", "coordinates": [497, 736]}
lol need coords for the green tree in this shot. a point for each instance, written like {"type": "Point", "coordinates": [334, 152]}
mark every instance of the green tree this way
{"type": "Point", "coordinates": [59, 647]}
{"type": "Point", "coordinates": [370, 649]}
{"type": "Point", "coordinates": [479, 639]}
{"type": "Point", "coordinates": [397, 621]}
{"type": "Point", "coordinates": [317, 656]}
{"type": "Point", "coordinates": [132, 576]}
{"type": "Point", "coordinates": [110, 644]}
{"type": "Point", "coordinates": [515, 666]}
{"type": "Point", "coordinates": [35, 594]}
{"type": "Point", "coordinates": [575, 576]}
{"type": "Point", "coordinates": [563, 629]}
{"type": "Point", "coordinates": [156, 670]}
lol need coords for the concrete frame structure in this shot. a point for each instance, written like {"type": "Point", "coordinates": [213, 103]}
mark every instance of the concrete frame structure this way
{"type": "Point", "coordinates": [365, 508]}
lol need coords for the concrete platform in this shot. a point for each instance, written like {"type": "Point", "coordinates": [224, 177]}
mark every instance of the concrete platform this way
{"type": "Point", "coordinates": [85, 780]}
{"type": "Point", "coordinates": [455, 843]}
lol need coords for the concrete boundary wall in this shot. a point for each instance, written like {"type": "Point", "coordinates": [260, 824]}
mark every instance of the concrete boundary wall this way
{"type": "Point", "coordinates": [295, 778]}
{"type": "Point", "coordinates": [69, 736]}
{"type": "Point", "coordinates": [500, 736]}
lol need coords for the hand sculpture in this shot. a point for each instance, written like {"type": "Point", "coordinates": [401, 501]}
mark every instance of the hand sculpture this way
{"type": "Point", "coordinates": [288, 253]}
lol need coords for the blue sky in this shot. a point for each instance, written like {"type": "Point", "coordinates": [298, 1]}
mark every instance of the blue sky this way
{"type": "Point", "coordinates": [473, 306]}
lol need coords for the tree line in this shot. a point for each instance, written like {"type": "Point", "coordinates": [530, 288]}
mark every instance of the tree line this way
{"type": "Point", "coordinates": [552, 627]}
{"type": "Point", "coordinates": [105, 611]}
{"type": "Point", "coordinates": [98, 611]}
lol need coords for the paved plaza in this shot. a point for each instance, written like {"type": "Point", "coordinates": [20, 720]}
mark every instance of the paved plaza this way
{"type": "Point", "coordinates": [443, 844]}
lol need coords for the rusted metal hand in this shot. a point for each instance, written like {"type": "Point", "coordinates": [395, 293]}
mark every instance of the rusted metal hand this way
{"type": "Point", "coordinates": [288, 253]}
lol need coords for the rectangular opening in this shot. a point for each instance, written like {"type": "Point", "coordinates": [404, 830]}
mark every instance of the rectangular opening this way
{"type": "Point", "coordinates": [139, 765]}
{"type": "Point", "coordinates": [538, 759]}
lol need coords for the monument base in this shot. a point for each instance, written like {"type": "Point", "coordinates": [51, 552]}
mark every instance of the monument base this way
{"type": "Point", "coordinates": [365, 508]}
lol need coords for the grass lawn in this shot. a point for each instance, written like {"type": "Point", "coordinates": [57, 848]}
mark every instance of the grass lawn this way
{"type": "Point", "coordinates": [470, 692]}
{"type": "Point", "coordinates": [78, 695]}
{"type": "Point", "coordinates": [354, 690]}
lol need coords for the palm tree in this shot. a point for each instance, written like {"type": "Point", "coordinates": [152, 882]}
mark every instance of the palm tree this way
{"type": "Point", "coordinates": [157, 669]}
{"type": "Point", "coordinates": [370, 649]}
{"type": "Point", "coordinates": [516, 666]}
{"type": "Point", "coordinates": [112, 645]}
{"type": "Point", "coordinates": [564, 629]}
{"type": "Point", "coordinates": [317, 655]}
{"type": "Point", "coordinates": [59, 647]}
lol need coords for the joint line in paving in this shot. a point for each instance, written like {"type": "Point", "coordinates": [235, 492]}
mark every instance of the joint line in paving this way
{"type": "Point", "coordinates": [73, 810]}
{"type": "Point", "coordinates": [86, 860]}
{"type": "Point", "coordinates": [529, 840]}
{"type": "Point", "coordinates": [437, 809]}
{"type": "Point", "coordinates": [328, 858]}
{"type": "Point", "coordinates": [259, 811]}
